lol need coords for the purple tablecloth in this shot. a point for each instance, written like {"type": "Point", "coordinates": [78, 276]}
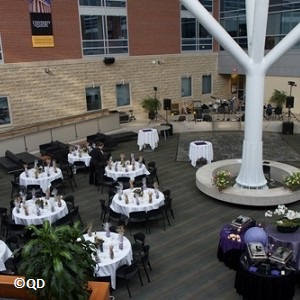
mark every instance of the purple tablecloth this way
{"type": "Point", "coordinates": [227, 244]}
{"type": "Point", "coordinates": [287, 240]}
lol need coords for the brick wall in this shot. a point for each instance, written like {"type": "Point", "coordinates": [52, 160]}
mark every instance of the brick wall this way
{"type": "Point", "coordinates": [154, 27]}
{"type": "Point", "coordinates": [16, 39]}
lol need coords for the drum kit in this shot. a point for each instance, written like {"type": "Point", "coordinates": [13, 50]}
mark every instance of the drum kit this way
{"type": "Point", "coordinates": [224, 106]}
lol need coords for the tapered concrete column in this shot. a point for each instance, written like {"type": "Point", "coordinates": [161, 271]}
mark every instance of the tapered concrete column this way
{"type": "Point", "coordinates": [251, 172]}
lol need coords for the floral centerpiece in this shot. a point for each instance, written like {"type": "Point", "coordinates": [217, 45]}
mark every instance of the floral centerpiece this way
{"type": "Point", "coordinates": [292, 181]}
{"type": "Point", "coordinates": [122, 159]}
{"type": "Point", "coordinates": [287, 220]}
{"type": "Point", "coordinates": [222, 180]}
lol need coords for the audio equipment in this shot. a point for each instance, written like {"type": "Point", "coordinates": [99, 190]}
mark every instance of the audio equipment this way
{"type": "Point", "coordinates": [287, 127]}
{"type": "Point", "coordinates": [167, 104]}
{"type": "Point", "coordinates": [109, 60]}
{"type": "Point", "coordinates": [289, 102]}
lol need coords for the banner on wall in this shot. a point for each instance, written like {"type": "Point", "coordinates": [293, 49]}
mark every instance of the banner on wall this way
{"type": "Point", "coordinates": [41, 23]}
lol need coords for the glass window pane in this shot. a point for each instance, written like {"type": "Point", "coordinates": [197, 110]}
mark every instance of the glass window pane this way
{"type": "Point", "coordinates": [93, 98]}
{"type": "Point", "coordinates": [4, 111]}
{"type": "Point", "coordinates": [206, 84]}
{"type": "Point", "coordinates": [91, 27]}
{"type": "Point", "coordinates": [186, 86]}
{"type": "Point", "coordinates": [123, 94]}
{"type": "Point", "coordinates": [110, 3]}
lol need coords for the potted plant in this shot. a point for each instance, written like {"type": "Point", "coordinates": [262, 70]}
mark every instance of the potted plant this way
{"type": "Point", "coordinates": [152, 105]}
{"type": "Point", "coordinates": [286, 220]}
{"type": "Point", "coordinates": [223, 180]}
{"type": "Point", "coordinates": [278, 98]}
{"type": "Point", "coordinates": [62, 258]}
{"type": "Point", "coordinates": [292, 181]}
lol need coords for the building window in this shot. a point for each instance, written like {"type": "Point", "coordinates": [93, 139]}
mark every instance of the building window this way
{"type": "Point", "coordinates": [93, 98]}
{"type": "Point", "coordinates": [109, 3]}
{"type": "Point", "coordinates": [186, 86]}
{"type": "Point", "coordinates": [283, 17]}
{"type": "Point", "coordinates": [5, 118]}
{"type": "Point", "coordinates": [206, 84]}
{"type": "Point", "coordinates": [123, 94]}
{"type": "Point", "coordinates": [104, 27]}
{"type": "Point", "coordinates": [194, 36]}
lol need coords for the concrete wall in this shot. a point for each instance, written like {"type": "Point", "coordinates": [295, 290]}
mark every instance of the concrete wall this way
{"type": "Point", "coordinates": [67, 133]}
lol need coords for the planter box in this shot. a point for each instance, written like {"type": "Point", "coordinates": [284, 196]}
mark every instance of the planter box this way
{"type": "Point", "coordinates": [100, 290]}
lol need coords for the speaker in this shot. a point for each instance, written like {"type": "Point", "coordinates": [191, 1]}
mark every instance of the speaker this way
{"type": "Point", "coordinates": [167, 104]}
{"type": "Point", "coordinates": [289, 102]}
{"type": "Point", "coordinates": [287, 127]}
{"type": "Point", "coordinates": [109, 60]}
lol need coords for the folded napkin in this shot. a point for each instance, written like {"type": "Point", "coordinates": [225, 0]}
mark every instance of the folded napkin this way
{"type": "Point", "coordinates": [275, 273]}
{"type": "Point", "coordinates": [147, 130]}
{"type": "Point", "coordinates": [252, 269]}
{"type": "Point", "coordinates": [200, 143]}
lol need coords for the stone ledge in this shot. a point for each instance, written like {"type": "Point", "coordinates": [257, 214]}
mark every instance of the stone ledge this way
{"type": "Point", "coordinates": [249, 197]}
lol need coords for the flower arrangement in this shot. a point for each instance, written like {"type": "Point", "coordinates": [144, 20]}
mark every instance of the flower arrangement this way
{"type": "Point", "coordinates": [222, 180]}
{"type": "Point", "coordinates": [292, 181]}
{"type": "Point", "coordinates": [284, 217]}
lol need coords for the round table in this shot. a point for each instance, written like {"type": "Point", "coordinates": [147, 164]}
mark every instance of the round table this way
{"type": "Point", "coordinates": [5, 254]}
{"type": "Point", "coordinates": [164, 129]}
{"type": "Point", "coordinates": [43, 179]}
{"type": "Point", "coordinates": [252, 284]}
{"type": "Point", "coordinates": [287, 240]}
{"type": "Point", "coordinates": [120, 206]}
{"type": "Point", "coordinates": [199, 149]}
{"type": "Point", "coordinates": [46, 213]}
{"type": "Point", "coordinates": [108, 266]}
{"type": "Point", "coordinates": [147, 136]}
{"type": "Point", "coordinates": [76, 156]}
{"type": "Point", "coordinates": [125, 171]}
{"type": "Point", "coordinates": [230, 249]}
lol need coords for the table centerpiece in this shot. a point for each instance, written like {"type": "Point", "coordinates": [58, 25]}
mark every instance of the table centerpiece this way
{"type": "Point", "coordinates": [287, 220]}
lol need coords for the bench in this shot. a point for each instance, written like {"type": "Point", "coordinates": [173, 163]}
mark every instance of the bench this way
{"type": "Point", "coordinates": [56, 150]}
{"type": "Point", "coordinates": [12, 163]}
{"type": "Point", "coordinates": [109, 142]}
{"type": "Point", "coordinates": [124, 136]}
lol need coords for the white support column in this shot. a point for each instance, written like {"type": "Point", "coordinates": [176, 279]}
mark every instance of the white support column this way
{"type": "Point", "coordinates": [255, 65]}
{"type": "Point", "coordinates": [251, 171]}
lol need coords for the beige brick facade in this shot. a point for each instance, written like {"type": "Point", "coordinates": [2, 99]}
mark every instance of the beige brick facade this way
{"type": "Point", "coordinates": [36, 96]}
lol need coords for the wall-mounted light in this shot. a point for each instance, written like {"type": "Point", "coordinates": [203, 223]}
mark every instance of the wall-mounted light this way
{"type": "Point", "coordinates": [158, 62]}
{"type": "Point", "coordinates": [48, 71]}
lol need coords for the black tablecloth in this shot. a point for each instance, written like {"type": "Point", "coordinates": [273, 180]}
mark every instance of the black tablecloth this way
{"type": "Point", "coordinates": [257, 286]}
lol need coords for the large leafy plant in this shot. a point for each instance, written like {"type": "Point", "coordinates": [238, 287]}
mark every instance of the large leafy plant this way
{"type": "Point", "coordinates": [278, 97]}
{"type": "Point", "coordinates": [61, 257]}
{"type": "Point", "coordinates": [151, 104]}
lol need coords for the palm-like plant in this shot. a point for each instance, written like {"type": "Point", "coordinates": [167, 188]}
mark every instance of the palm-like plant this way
{"type": "Point", "coordinates": [60, 256]}
{"type": "Point", "coordinates": [278, 97]}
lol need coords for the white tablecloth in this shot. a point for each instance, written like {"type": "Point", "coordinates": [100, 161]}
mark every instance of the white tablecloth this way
{"type": "Point", "coordinates": [5, 254]}
{"type": "Point", "coordinates": [46, 213]}
{"type": "Point", "coordinates": [125, 172]}
{"type": "Point", "coordinates": [108, 266]}
{"type": "Point", "coordinates": [74, 156]}
{"type": "Point", "coordinates": [43, 179]}
{"type": "Point", "coordinates": [148, 136]}
{"type": "Point", "coordinates": [200, 149]}
{"type": "Point", "coordinates": [120, 206]}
